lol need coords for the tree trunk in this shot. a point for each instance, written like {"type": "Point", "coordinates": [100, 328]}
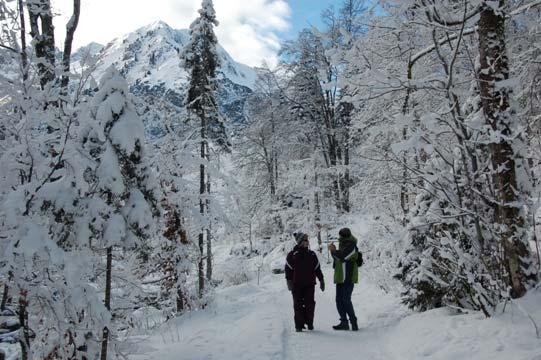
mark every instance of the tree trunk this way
{"type": "Point", "coordinates": [346, 109]}
{"type": "Point", "coordinates": [107, 302]}
{"type": "Point", "coordinates": [39, 13]}
{"type": "Point", "coordinates": [493, 71]}
{"type": "Point", "coordinates": [181, 297]}
{"type": "Point", "coordinates": [318, 222]}
{"type": "Point", "coordinates": [200, 264]}
{"type": "Point", "coordinates": [272, 163]}
{"type": "Point", "coordinates": [207, 212]}
{"type": "Point", "coordinates": [336, 178]}
{"type": "Point", "coordinates": [202, 203]}
{"type": "Point", "coordinates": [180, 300]}
{"type": "Point", "coordinates": [318, 209]}
{"type": "Point", "coordinates": [24, 57]}
{"type": "Point", "coordinates": [209, 255]}
{"type": "Point", "coordinates": [24, 340]}
{"type": "Point", "coordinates": [250, 237]}
{"type": "Point", "coordinates": [404, 198]}
{"type": "Point", "coordinates": [71, 26]}
{"type": "Point", "coordinates": [5, 296]}
{"type": "Point", "coordinates": [272, 185]}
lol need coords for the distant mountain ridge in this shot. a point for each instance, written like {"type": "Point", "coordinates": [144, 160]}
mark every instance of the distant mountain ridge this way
{"type": "Point", "coordinates": [149, 58]}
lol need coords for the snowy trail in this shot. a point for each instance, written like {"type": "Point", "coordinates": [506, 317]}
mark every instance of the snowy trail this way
{"type": "Point", "coordinates": [250, 322]}
{"type": "Point", "coordinates": [256, 322]}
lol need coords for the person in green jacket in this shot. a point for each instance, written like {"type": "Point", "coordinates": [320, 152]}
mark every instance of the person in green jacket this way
{"type": "Point", "coordinates": [346, 274]}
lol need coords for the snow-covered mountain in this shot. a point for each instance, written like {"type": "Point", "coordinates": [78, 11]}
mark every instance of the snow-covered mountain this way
{"type": "Point", "coordinates": [149, 59]}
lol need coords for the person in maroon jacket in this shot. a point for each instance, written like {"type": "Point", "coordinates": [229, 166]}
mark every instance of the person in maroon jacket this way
{"type": "Point", "coordinates": [302, 268]}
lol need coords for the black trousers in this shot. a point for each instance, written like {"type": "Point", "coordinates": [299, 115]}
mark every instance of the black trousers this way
{"type": "Point", "coordinates": [343, 302]}
{"type": "Point", "coordinates": [303, 305]}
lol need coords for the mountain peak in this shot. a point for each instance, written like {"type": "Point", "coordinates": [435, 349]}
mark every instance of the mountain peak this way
{"type": "Point", "coordinates": [90, 49]}
{"type": "Point", "coordinates": [158, 24]}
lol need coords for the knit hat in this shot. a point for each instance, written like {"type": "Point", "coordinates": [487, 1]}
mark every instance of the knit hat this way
{"type": "Point", "coordinates": [300, 237]}
{"type": "Point", "coordinates": [344, 232]}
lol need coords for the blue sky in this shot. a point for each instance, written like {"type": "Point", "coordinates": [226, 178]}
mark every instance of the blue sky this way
{"type": "Point", "coordinates": [305, 13]}
{"type": "Point", "coordinates": [250, 30]}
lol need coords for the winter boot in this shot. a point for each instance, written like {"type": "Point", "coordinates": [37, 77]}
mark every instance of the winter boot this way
{"type": "Point", "coordinates": [310, 326]}
{"type": "Point", "coordinates": [298, 329]}
{"type": "Point", "coordinates": [354, 326]}
{"type": "Point", "coordinates": [342, 326]}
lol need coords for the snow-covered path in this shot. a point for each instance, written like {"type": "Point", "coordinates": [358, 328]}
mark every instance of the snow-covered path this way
{"type": "Point", "coordinates": [256, 322]}
{"type": "Point", "coordinates": [250, 322]}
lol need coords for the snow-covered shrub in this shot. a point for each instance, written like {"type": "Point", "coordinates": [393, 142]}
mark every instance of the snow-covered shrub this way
{"type": "Point", "coordinates": [441, 267]}
{"type": "Point", "coordinates": [236, 271]}
{"type": "Point", "coordinates": [145, 318]}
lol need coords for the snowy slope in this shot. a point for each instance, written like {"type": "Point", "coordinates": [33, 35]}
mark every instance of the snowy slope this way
{"type": "Point", "coordinates": [151, 55]}
{"type": "Point", "coordinates": [149, 59]}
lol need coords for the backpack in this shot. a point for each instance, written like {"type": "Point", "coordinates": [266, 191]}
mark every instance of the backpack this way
{"type": "Point", "coordinates": [360, 261]}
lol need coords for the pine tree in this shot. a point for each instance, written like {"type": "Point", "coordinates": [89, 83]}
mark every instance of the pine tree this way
{"type": "Point", "coordinates": [121, 201]}
{"type": "Point", "coordinates": [201, 61]}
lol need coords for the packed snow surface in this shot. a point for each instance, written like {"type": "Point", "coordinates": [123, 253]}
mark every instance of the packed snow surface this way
{"type": "Point", "coordinates": [251, 321]}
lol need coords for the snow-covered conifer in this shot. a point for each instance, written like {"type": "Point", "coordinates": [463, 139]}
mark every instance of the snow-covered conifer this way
{"type": "Point", "coordinates": [201, 61]}
{"type": "Point", "coordinates": [121, 202]}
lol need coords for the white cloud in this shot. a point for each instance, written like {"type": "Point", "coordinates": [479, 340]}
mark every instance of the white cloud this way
{"type": "Point", "coordinates": [249, 29]}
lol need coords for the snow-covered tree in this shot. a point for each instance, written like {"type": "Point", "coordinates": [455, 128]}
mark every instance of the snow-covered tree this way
{"type": "Point", "coordinates": [201, 61]}
{"type": "Point", "coordinates": [48, 270]}
{"type": "Point", "coordinates": [121, 202]}
{"type": "Point", "coordinates": [505, 144]}
{"type": "Point", "coordinates": [429, 93]}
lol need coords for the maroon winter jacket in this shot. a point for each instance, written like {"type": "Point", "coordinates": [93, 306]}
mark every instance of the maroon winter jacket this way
{"type": "Point", "coordinates": [302, 267]}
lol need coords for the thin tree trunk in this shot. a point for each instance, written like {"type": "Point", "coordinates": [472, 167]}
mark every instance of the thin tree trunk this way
{"type": "Point", "coordinates": [200, 265]}
{"type": "Point", "coordinates": [318, 209]}
{"type": "Point", "coordinates": [71, 26]}
{"type": "Point", "coordinates": [209, 229]}
{"type": "Point", "coordinates": [180, 300]}
{"type": "Point", "coordinates": [332, 144]}
{"type": "Point", "coordinates": [318, 221]}
{"type": "Point", "coordinates": [494, 68]}
{"type": "Point", "coordinates": [346, 180]}
{"type": "Point", "coordinates": [24, 57]}
{"type": "Point", "coordinates": [181, 297]}
{"type": "Point", "coordinates": [336, 177]}
{"type": "Point", "coordinates": [107, 302]}
{"type": "Point", "coordinates": [5, 296]}
{"type": "Point", "coordinates": [209, 254]}
{"type": "Point", "coordinates": [270, 168]}
{"type": "Point", "coordinates": [39, 13]}
{"type": "Point", "coordinates": [24, 340]}
{"type": "Point", "coordinates": [272, 160]}
{"type": "Point", "coordinates": [345, 183]}
{"type": "Point", "coordinates": [250, 237]}
{"type": "Point", "coordinates": [202, 202]}
{"type": "Point", "coordinates": [404, 198]}
{"type": "Point", "coordinates": [207, 212]}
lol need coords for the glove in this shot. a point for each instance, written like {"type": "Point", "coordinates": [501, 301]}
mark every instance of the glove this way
{"type": "Point", "coordinates": [331, 247]}
{"type": "Point", "coordinates": [322, 285]}
{"type": "Point", "coordinates": [289, 285]}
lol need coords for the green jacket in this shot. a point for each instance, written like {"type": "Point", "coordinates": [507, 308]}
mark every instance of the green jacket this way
{"type": "Point", "coordinates": [345, 261]}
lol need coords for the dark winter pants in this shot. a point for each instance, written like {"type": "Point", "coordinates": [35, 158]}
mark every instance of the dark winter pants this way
{"type": "Point", "coordinates": [304, 305]}
{"type": "Point", "coordinates": [343, 302]}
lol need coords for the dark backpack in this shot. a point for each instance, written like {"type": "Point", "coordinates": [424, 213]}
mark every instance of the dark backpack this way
{"type": "Point", "coordinates": [360, 261]}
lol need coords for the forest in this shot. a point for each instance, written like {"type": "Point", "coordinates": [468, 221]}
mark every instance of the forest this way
{"type": "Point", "coordinates": [123, 191]}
